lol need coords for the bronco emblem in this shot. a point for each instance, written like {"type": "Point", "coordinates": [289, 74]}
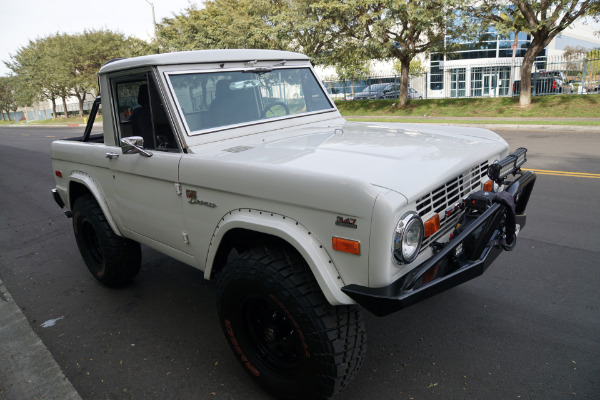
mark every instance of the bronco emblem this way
{"type": "Point", "coordinates": [192, 199]}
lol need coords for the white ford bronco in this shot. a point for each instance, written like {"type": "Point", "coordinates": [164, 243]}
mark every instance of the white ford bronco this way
{"type": "Point", "coordinates": [237, 163]}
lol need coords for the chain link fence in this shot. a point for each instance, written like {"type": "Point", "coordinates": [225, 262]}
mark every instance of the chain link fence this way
{"type": "Point", "coordinates": [471, 78]}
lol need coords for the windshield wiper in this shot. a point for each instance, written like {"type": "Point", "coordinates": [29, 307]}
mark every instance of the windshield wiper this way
{"type": "Point", "coordinates": [263, 70]}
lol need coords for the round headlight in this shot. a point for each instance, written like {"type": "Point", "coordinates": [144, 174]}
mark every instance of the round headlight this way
{"type": "Point", "coordinates": [407, 238]}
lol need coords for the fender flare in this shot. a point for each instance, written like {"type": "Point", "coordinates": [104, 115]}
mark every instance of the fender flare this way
{"type": "Point", "coordinates": [86, 180]}
{"type": "Point", "coordinates": [294, 233]}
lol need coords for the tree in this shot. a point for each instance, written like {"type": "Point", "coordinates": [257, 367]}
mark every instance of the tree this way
{"type": "Point", "coordinates": [307, 30]}
{"type": "Point", "coordinates": [64, 65]}
{"type": "Point", "coordinates": [223, 24]}
{"type": "Point", "coordinates": [416, 67]}
{"type": "Point", "coordinates": [7, 96]}
{"type": "Point", "coordinates": [592, 69]}
{"type": "Point", "coordinates": [399, 30]}
{"type": "Point", "coordinates": [84, 54]}
{"type": "Point", "coordinates": [542, 20]}
{"type": "Point", "coordinates": [35, 66]}
{"type": "Point", "coordinates": [574, 56]}
{"type": "Point", "coordinates": [352, 69]}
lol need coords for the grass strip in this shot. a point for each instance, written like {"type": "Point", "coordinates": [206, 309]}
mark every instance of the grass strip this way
{"type": "Point", "coordinates": [470, 122]}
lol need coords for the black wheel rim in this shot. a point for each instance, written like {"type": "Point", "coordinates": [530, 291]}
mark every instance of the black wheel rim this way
{"type": "Point", "coordinates": [272, 335]}
{"type": "Point", "coordinates": [92, 243]}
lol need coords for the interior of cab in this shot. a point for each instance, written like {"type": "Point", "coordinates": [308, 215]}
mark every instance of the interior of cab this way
{"type": "Point", "coordinates": [212, 100]}
{"type": "Point", "coordinates": [140, 112]}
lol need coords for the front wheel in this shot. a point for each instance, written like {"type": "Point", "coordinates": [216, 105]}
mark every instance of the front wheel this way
{"type": "Point", "coordinates": [282, 329]}
{"type": "Point", "coordinates": [113, 260]}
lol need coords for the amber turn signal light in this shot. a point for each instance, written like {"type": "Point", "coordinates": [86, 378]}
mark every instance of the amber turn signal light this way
{"type": "Point", "coordinates": [432, 225]}
{"type": "Point", "coordinates": [488, 186]}
{"type": "Point", "coordinates": [346, 245]}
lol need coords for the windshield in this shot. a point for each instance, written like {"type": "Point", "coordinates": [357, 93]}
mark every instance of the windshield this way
{"type": "Point", "coordinates": [215, 99]}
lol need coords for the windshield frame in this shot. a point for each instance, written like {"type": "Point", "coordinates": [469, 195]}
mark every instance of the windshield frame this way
{"type": "Point", "coordinates": [190, 132]}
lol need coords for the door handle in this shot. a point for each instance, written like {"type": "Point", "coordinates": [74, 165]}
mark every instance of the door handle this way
{"type": "Point", "coordinates": [112, 155]}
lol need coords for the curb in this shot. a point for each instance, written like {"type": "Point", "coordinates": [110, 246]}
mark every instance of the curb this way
{"type": "Point", "coordinates": [27, 369]}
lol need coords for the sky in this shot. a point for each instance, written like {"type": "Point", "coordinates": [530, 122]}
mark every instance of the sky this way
{"type": "Point", "coordinates": [22, 20]}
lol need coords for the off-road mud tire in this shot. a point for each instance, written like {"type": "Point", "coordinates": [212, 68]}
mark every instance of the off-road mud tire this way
{"type": "Point", "coordinates": [112, 259]}
{"type": "Point", "coordinates": [282, 329]}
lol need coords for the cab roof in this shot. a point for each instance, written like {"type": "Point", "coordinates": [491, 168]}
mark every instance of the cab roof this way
{"type": "Point", "coordinates": [201, 57]}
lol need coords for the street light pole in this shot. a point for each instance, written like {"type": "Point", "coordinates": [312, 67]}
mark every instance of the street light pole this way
{"type": "Point", "coordinates": [153, 16]}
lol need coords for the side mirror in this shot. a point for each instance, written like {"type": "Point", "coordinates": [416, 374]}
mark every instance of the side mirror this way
{"type": "Point", "coordinates": [134, 145]}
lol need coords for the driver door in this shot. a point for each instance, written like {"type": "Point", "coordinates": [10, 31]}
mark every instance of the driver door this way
{"type": "Point", "coordinates": [146, 192]}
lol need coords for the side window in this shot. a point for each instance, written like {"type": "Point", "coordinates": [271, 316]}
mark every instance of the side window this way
{"type": "Point", "coordinates": [140, 112]}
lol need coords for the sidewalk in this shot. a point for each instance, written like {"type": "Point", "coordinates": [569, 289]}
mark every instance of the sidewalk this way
{"type": "Point", "coordinates": [27, 369]}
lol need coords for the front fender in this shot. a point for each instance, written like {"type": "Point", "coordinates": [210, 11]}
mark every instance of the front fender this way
{"type": "Point", "coordinates": [292, 232]}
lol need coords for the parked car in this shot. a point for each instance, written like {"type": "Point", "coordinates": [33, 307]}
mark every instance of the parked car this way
{"type": "Point", "coordinates": [546, 82]}
{"type": "Point", "coordinates": [379, 91]}
{"type": "Point", "coordinates": [413, 94]}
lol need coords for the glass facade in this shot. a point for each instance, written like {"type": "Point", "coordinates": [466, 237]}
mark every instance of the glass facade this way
{"type": "Point", "coordinates": [458, 82]}
{"type": "Point", "coordinates": [490, 81]}
{"type": "Point", "coordinates": [479, 81]}
{"type": "Point", "coordinates": [490, 45]}
{"type": "Point", "coordinates": [436, 71]}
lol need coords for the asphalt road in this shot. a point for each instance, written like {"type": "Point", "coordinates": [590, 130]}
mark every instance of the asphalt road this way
{"type": "Point", "coordinates": [529, 328]}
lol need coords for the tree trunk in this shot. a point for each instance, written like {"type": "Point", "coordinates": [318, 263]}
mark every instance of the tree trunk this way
{"type": "Point", "coordinates": [64, 101]}
{"type": "Point", "coordinates": [53, 107]}
{"type": "Point", "coordinates": [528, 60]}
{"type": "Point", "coordinates": [81, 100]}
{"type": "Point", "coordinates": [404, 71]}
{"type": "Point", "coordinates": [537, 44]}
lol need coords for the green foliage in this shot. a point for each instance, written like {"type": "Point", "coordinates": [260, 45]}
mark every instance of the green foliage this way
{"type": "Point", "coordinates": [8, 99]}
{"type": "Point", "coordinates": [398, 30]}
{"type": "Point", "coordinates": [223, 24]}
{"type": "Point", "coordinates": [62, 65]}
{"type": "Point", "coordinates": [593, 65]}
{"type": "Point", "coordinates": [416, 67]}
{"type": "Point", "coordinates": [353, 71]}
{"type": "Point", "coordinates": [305, 29]}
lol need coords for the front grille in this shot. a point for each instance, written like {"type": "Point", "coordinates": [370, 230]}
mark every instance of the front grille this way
{"type": "Point", "coordinates": [447, 196]}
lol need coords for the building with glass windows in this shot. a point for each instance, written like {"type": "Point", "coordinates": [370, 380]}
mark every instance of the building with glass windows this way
{"type": "Point", "coordinates": [491, 65]}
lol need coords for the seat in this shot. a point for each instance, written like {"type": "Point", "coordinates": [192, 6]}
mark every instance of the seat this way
{"type": "Point", "coordinates": [141, 118]}
{"type": "Point", "coordinates": [221, 105]}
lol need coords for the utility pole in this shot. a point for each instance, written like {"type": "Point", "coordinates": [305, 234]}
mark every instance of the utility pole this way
{"type": "Point", "coordinates": [153, 16]}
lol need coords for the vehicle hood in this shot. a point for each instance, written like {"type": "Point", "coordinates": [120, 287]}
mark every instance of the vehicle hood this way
{"type": "Point", "coordinates": [410, 159]}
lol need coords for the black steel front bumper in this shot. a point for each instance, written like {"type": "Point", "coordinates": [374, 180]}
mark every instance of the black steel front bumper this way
{"type": "Point", "coordinates": [450, 266]}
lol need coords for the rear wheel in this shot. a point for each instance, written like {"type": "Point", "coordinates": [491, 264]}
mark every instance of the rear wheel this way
{"type": "Point", "coordinates": [282, 329]}
{"type": "Point", "coordinates": [112, 259]}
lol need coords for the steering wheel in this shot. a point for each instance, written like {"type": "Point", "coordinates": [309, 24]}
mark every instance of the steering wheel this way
{"type": "Point", "coordinates": [275, 112]}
